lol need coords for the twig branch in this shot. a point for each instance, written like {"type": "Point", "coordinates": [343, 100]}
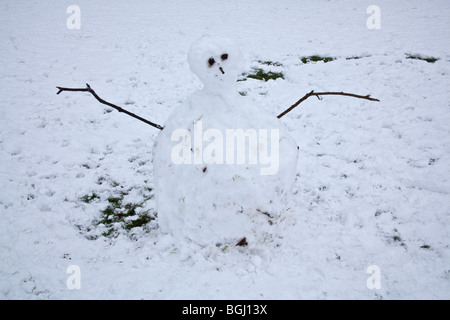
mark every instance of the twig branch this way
{"type": "Point", "coordinates": [306, 96]}
{"type": "Point", "coordinates": [318, 94]}
{"type": "Point", "coordinates": [91, 91]}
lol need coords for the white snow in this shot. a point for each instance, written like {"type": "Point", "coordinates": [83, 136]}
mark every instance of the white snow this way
{"type": "Point", "coordinates": [372, 184]}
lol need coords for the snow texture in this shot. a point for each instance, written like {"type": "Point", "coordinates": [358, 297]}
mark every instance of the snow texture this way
{"type": "Point", "coordinates": [372, 180]}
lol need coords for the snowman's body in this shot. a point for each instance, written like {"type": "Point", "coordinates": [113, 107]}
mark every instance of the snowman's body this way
{"type": "Point", "coordinates": [222, 168]}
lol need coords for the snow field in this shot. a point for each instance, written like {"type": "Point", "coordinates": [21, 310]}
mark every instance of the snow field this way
{"type": "Point", "coordinates": [372, 181]}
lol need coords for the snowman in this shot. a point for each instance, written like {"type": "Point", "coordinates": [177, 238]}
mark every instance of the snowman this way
{"type": "Point", "coordinates": [223, 168]}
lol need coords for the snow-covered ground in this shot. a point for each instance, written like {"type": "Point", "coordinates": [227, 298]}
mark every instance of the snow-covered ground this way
{"type": "Point", "coordinates": [371, 196]}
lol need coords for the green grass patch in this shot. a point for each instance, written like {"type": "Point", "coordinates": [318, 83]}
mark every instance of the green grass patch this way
{"type": "Point", "coordinates": [261, 74]}
{"type": "Point", "coordinates": [316, 58]}
{"type": "Point", "coordinates": [89, 198]}
{"type": "Point", "coordinates": [397, 239]}
{"type": "Point", "coordinates": [356, 57]}
{"type": "Point", "coordinates": [419, 57]}
{"type": "Point", "coordinates": [120, 215]}
{"type": "Point", "coordinates": [263, 71]}
{"type": "Point", "coordinates": [270, 63]}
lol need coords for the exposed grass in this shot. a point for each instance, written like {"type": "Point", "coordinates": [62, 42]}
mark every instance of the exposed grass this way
{"type": "Point", "coordinates": [123, 215]}
{"type": "Point", "coordinates": [316, 58]}
{"type": "Point", "coordinates": [89, 198]}
{"type": "Point", "coordinates": [397, 239]}
{"type": "Point", "coordinates": [260, 74]}
{"type": "Point", "coordinates": [356, 57]}
{"type": "Point", "coordinates": [419, 57]}
{"type": "Point", "coordinates": [270, 63]}
{"type": "Point", "coordinates": [120, 215]}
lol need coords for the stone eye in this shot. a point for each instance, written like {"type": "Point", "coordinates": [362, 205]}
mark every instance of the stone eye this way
{"type": "Point", "coordinates": [224, 56]}
{"type": "Point", "coordinates": [211, 61]}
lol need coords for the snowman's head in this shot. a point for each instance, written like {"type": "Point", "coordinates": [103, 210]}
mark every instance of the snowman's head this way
{"type": "Point", "coordinates": [217, 61]}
